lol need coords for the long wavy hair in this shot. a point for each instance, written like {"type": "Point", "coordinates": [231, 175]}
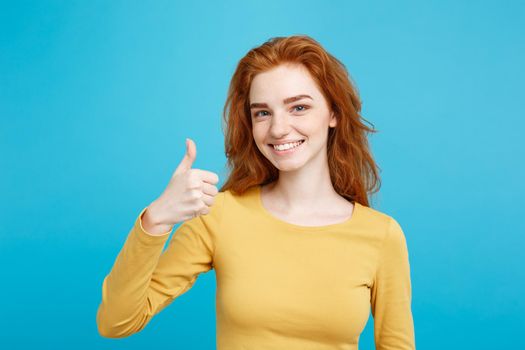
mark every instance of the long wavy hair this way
{"type": "Point", "coordinates": [353, 172]}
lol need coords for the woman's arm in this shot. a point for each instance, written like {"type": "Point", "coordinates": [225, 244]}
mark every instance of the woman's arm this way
{"type": "Point", "coordinates": [144, 280]}
{"type": "Point", "coordinates": [391, 293]}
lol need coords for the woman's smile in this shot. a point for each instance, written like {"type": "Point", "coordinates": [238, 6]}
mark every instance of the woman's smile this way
{"type": "Point", "coordinates": [286, 149]}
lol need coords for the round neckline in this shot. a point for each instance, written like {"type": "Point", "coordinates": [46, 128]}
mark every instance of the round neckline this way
{"type": "Point", "coordinates": [269, 215]}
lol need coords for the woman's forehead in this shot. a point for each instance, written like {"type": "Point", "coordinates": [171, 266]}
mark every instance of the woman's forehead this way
{"type": "Point", "coordinates": [280, 83]}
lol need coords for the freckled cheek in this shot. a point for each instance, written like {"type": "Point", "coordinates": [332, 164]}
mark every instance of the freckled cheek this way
{"type": "Point", "coordinates": [259, 137]}
{"type": "Point", "coordinates": [311, 128]}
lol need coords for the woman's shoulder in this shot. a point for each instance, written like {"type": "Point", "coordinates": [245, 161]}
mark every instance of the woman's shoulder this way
{"type": "Point", "coordinates": [248, 194]}
{"type": "Point", "coordinates": [374, 215]}
{"type": "Point", "coordinates": [231, 199]}
{"type": "Point", "coordinates": [378, 221]}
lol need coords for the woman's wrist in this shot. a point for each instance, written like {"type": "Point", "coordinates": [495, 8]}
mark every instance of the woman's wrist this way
{"type": "Point", "coordinates": [151, 223]}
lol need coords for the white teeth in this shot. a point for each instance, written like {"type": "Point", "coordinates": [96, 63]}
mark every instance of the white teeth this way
{"type": "Point", "coordinates": [287, 146]}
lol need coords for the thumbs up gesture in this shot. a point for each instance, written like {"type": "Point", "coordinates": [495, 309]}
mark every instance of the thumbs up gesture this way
{"type": "Point", "coordinates": [189, 193]}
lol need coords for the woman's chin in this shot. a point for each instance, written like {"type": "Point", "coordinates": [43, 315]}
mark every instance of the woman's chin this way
{"type": "Point", "coordinates": [287, 164]}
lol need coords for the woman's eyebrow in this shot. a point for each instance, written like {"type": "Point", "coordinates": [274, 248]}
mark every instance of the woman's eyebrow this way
{"type": "Point", "coordinates": [285, 101]}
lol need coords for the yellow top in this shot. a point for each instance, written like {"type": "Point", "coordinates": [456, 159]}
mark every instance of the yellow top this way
{"type": "Point", "coordinates": [279, 285]}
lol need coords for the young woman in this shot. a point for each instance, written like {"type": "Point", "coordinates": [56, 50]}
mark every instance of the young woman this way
{"type": "Point", "coordinates": [300, 257]}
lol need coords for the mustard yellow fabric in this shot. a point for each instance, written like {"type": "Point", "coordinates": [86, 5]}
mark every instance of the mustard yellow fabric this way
{"type": "Point", "coordinates": [279, 285]}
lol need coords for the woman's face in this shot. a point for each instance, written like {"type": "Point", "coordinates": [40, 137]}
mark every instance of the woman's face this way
{"type": "Point", "coordinates": [280, 115]}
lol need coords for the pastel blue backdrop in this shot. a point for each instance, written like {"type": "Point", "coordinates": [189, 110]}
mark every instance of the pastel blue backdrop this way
{"type": "Point", "coordinates": [97, 97]}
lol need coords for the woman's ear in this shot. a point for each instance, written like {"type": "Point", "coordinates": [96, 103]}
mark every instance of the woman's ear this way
{"type": "Point", "coordinates": [333, 120]}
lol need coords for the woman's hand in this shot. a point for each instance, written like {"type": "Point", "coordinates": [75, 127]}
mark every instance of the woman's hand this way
{"type": "Point", "coordinates": [189, 193]}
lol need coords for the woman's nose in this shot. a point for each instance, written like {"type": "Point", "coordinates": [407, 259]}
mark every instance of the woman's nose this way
{"type": "Point", "coordinates": [280, 125]}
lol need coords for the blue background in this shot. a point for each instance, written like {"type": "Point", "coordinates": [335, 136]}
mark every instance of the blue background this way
{"type": "Point", "coordinates": [97, 97]}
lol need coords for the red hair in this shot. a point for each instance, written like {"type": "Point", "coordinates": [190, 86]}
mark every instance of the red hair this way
{"type": "Point", "coordinates": [353, 171]}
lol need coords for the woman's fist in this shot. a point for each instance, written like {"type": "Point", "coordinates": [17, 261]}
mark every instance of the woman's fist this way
{"type": "Point", "coordinates": [189, 193]}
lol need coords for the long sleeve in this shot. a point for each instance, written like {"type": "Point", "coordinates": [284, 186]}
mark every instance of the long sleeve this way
{"type": "Point", "coordinates": [391, 293]}
{"type": "Point", "coordinates": [144, 280]}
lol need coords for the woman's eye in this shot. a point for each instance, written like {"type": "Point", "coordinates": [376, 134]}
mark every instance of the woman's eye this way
{"type": "Point", "coordinates": [304, 108]}
{"type": "Point", "coordinates": [257, 113]}
{"type": "Point", "coordinates": [301, 110]}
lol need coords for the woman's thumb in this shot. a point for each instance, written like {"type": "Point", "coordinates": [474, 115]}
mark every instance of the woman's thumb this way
{"type": "Point", "coordinates": [189, 157]}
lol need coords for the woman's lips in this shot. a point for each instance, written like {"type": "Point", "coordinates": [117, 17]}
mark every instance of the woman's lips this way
{"type": "Point", "coordinates": [287, 151]}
